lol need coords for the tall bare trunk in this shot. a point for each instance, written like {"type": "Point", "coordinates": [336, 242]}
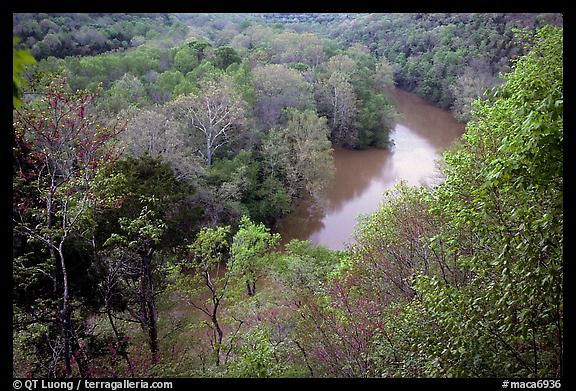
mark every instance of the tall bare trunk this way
{"type": "Point", "coordinates": [65, 314]}
{"type": "Point", "coordinates": [51, 249]}
{"type": "Point", "coordinates": [119, 341]}
{"type": "Point", "coordinates": [148, 305]}
{"type": "Point", "coordinates": [251, 287]}
{"type": "Point", "coordinates": [209, 148]}
{"type": "Point", "coordinates": [218, 336]}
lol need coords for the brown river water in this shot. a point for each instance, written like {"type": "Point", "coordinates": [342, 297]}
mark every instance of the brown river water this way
{"type": "Point", "coordinates": [421, 134]}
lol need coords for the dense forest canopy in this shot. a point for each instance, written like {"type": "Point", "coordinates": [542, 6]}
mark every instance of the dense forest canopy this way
{"type": "Point", "coordinates": [72, 34]}
{"type": "Point", "coordinates": [154, 154]}
{"type": "Point", "coordinates": [448, 58]}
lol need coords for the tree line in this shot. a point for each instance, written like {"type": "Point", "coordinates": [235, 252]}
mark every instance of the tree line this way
{"type": "Point", "coordinates": [450, 59]}
{"type": "Point", "coordinates": [73, 34]}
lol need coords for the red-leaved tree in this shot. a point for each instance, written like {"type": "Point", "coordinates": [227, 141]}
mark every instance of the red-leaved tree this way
{"type": "Point", "coordinates": [60, 155]}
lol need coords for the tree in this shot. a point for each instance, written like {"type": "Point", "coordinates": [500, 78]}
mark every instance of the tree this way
{"type": "Point", "coordinates": [512, 162]}
{"type": "Point", "coordinates": [141, 60]}
{"type": "Point", "coordinates": [305, 269]}
{"type": "Point", "coordinates": [186, 59]}
{"type": "Point", "coordinates": [300, 153]}
{"type": "Point", "coordinates": [164, 86]}
{"type": "Point", "coordinates": [217, 115]}
{"type": "Point", "coordinates": [338, 98]}
{"type": "Point", "coordinates": [257, 356]}
{"type": "Point", "coordinates": [375, 120]}
{"type": "Point", "coordinates": [478, 261]}
{"type": "Point", "coordinates": [152, 131]}
{"type": "Point", "coordinates": [224, 56]}
{"type": "Point", "coordinates": [130, 263]}
{"type": "Point", "coordinates": [201, 48]}
{"type": "Point", "coordinates": [249, 247]}
{"type": "Point", "coordinates": [312, 49]}
{"type": "Point", "coordinates": [255, 36]}
{"type": "Point", "coordinates": [306, 275]}
{"type": "Point", "coordinates": [337, 327]}
{"type": "Point", "coordinates": [469, 86]}
{"type": "Point", "coordinates": [290, 47]}
{"type": "Point", "coordinates": [350, 93]}
{"type": "Point", "coordinates": [152, 178]}
{"type": "Point", "coordinates": [279, 87]}
{"type": "Point", "coordinates": [339, 63]}
{"type": "Point", "coordinates": [244, 187]}
{"type": "Point", "coordinates": [67, 152]}
{"type": "Point", "coordinates": [205, 271]}
{"type": "Point", "coordinates": [432, 50]}
{"type": "Point", "coordinates": [384, 74]}
{"type": "Point", "coordinates": [125, 92]}
{"type": "Point", "coordinates": [397, 236]}
{"type": "Point", "coordinates": [205, 72]}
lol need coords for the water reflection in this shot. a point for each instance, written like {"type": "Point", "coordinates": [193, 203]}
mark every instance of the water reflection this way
{"type": "Point", "coordinates": [361, 177]}
{"type": "Point", "coordinates": [435, 125]}
{"type": "Point", "coordinates": [355, 172]}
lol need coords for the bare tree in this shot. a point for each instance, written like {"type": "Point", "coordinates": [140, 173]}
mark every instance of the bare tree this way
{"type": "Point", "coordinates": [337, 95]}
{"type": "Point", "coordinates": [152, 131]}
{"type": "Point", "coordinates": [216, 115]}
{"type": "Point", "coordinates": [279, 87]}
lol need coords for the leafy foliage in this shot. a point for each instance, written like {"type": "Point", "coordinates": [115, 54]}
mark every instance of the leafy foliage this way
{"type": "Point", "coordinates": [60, 153]}
{"type": "Point", "coordinates": [249, 247]}
{"type": "Point", "coordinates": [467, 279]}
{"type": "Point", "coordinates": [70, 34]}
{"type": "Point", "coordinates": [300, 153]}
{"type": "Point", "coordinates": [432, 50]}
{"type": "Point", "coordinates": [20, 58]}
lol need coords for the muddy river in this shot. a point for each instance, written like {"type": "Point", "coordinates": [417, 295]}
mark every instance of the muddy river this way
{"type": "Point", "coordinates": [421, 134]}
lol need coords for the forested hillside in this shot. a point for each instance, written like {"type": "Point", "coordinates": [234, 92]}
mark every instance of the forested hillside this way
{"type": "Point", "coordinates": [72, 34]}
{"type": "Point", "coordinates": [151, 166]}
{"type": "Point", "coordinates": [448, 58]}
